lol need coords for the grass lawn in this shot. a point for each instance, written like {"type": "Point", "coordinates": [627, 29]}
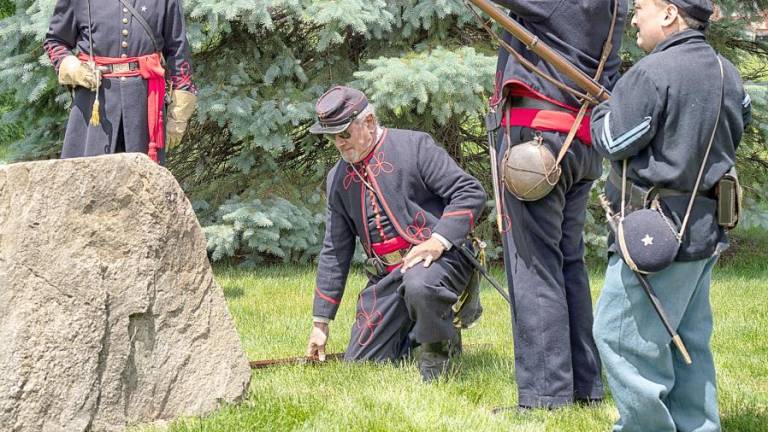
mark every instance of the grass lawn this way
{"type": "Point", "coordinates": [272, 306]}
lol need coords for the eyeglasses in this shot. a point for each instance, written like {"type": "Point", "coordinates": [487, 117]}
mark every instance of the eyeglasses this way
{"type": "Point", "coordinates": [343, 135]}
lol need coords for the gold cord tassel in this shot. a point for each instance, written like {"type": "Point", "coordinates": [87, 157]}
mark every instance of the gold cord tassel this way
{"type": "Point", "coordinates": [95, 116]}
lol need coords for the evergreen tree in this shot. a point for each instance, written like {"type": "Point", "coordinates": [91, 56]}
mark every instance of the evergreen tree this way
{"type": "Point", "coordinates": [254, 173]}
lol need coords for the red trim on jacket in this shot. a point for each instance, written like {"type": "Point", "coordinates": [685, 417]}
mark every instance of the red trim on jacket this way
{"type": "Point", "coordinates": [325, 297]}
{"type": "Point", "coordinates": [463, 213]}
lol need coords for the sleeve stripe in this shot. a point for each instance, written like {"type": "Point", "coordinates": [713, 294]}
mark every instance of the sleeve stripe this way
{"type": "Point", "coordinates": [627, 138]}
{"type": "Point", "coordinates": [325, 297]}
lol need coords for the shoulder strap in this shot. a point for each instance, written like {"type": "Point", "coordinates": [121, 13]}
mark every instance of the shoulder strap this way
{"type": "Point", "coordinates": [706, 155]}
{"type": "Point", "coordinates": [137, 16]}
{"type": "Point", "coordinates": [607, 48]}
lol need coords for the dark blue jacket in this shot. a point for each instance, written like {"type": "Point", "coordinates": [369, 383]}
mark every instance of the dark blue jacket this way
{"type": "Point", "coordinates": [661, 117]}
{"type": "Point", "coordinates": [115, 34]}
{"type": "Point", "coordinates": [423, 191]}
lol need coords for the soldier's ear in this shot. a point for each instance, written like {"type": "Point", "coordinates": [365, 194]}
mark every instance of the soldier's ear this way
{"type": "Point", "coordinates": [370, 121]}
{"type": "Point", "coordinates": [671, 12]}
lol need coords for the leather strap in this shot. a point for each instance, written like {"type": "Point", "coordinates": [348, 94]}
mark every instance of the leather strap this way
{"type": "Point", "coordinates": [119, 67]}
{"type": "Point", "coordinates": [638, 196]}
{"type": "Point", "coordinates": [607, 48]}
{"type": "Point", "coordinates": [709, 148]}
{"type": "Point", "coordinates": [539, 104]}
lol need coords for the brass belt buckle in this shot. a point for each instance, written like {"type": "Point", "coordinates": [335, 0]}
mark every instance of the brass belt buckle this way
{"type": "Point", "coordinates": [392, 258]}
{"type": "Point", "coordinates": [121, 67]}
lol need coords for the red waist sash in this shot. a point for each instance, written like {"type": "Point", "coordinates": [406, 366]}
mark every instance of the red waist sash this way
{"type": "Point", "coordinates": [387, 247]}
{"type": "Point", "coordinates": [543, 120]}
{"type": "Point", "coordinates": [151, 69]}
{"type": "Point", "coordinates": [548, 121]}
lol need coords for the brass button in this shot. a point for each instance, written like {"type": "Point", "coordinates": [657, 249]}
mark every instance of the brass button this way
{"type": "Point", "coordinates": [124, 44]}
{"type": "Point", "coordinates": [125, 32]}
{"type": "Point", "coordinates": [125, 20]}
{"type": "Point", "coordinates": [125, 10]}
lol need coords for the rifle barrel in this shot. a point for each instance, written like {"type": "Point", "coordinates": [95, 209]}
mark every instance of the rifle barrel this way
{"type": "Point", "coordinates": [262, 364]}
{"type": "Point", "coordinates": [549, 55]}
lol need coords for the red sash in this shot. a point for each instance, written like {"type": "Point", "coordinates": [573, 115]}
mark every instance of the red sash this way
{"type": "Point", "coordinates": [544, 120]}
{"type": "Point", "coordinates": [392, 245]}
{"type": "Point", "coordinates": [151, 69]}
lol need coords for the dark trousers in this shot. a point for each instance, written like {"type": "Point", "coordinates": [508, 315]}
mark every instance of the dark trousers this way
{"type": "Point", "coordinates": [401, 309]}
{"type": "Point", "coordinates": [555, 356]}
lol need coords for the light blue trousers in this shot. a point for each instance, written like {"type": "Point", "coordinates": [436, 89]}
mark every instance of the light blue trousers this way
{"type": "Point", "coordinates": [653, 388]}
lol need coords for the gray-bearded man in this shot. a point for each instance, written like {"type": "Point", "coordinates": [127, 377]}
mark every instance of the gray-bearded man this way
{"type": "Point", "coordinates": [411, 206]}
{"type": "Point", "coordinates": [133, 48]}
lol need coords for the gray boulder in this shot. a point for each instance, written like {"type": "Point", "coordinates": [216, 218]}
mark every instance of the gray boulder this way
{"type": "Point", "coordinates": [109, 313]}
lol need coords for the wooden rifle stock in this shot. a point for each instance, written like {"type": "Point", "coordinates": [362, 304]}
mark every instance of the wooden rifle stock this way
{"type": "Point", "coordinates": [584, 81]}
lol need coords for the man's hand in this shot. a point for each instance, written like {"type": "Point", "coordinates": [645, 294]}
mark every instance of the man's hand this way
{"type": "Point", "coordinates": [179, 111]}
{"type": "Point", "coordinates": [428, 252]}
{"type": "Point", "coordinates": [73, 72]}
{"type": "Point", "coordinates": [317, 340]}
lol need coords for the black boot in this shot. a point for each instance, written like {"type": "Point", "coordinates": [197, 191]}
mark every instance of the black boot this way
{"type": "Point", "coordinates": [434, 361]}
{"type": "Point", "coordinates": [436, 357]}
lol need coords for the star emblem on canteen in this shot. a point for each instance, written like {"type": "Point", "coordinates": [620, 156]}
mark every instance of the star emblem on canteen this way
{"type": "Point", "coordinates": [647, 240]}
{"type": "Point", "coordinates": [143, 8]}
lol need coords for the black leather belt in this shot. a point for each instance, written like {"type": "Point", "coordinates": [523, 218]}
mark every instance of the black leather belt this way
{"type": "Point", "coordinates": [539, 104]}
{"type": "Point", "coordinates": [119, 67]}
{"type": "Point", "coordinates": [641, 197]}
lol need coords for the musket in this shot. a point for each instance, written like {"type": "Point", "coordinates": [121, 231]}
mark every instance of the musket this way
{"type": "Point", "coordinates": [262, 364]}
{"type": "Point", "coordinates": [648, 288]}
{"type": "Point", "coordinates": [532, 42]}
{"type": "Point", "coordinates": [491, 126]}
{"type": "Point", "coordinates": [475, 263]}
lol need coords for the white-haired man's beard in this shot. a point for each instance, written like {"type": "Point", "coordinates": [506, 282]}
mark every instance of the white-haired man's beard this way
{"type": "Point", "coordinates": [354, 156]}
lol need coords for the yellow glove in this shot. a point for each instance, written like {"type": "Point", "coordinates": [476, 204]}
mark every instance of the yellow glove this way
{"type": "Point", "coordinates": [73, 72]}
{"type": "Point", "coordinates": [179, 111]}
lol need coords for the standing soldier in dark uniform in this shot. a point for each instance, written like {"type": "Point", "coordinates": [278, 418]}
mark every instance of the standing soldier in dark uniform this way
{"type": "Point", "coordinates": [411, 207]}
{"type": "Point", "coordinates": [123, 53]}
{"type": "Point", "coordinates": [556, 361]}
{"type": "Point", "coordinates": [660, 122]}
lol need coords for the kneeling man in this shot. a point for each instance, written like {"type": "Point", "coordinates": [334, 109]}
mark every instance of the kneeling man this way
{"type": "Point", "coordinates": [411, 206]}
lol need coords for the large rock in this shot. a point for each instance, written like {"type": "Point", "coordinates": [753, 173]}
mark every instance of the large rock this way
{"type": "Point", "coordinates": [109, 313]}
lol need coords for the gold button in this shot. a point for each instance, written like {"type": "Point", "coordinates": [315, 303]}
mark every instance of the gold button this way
{"type": "Point", "coordinates": [124, 44]}
{"type": "Point", "coordinates": [125, 20]}
{"type": "Point", "coordinates": [125, 32]}
{"type": "Point", "coordinates": [123, 55]}
{"type": "Point", "coordinates": [125, 10]}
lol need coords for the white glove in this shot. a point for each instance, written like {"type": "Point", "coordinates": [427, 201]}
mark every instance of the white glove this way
{"type": "Point", "coordinates": [73, 72]}
{"type": "Point", "coordinates": [179, 111]}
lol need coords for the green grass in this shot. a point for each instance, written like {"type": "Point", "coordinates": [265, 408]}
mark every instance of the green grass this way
{"type": "Point", "coordinates": [272, 307]}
